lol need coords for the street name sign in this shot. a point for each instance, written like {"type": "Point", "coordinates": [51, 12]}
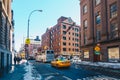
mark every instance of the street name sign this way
{"type": "Point", "coordinates": [27, 41]}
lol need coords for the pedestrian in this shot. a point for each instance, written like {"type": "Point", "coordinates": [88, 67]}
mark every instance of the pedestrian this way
{"type": "Point", "coordinates": [15, 59]}
{"type": "Point", "coordinates": [18, 60]}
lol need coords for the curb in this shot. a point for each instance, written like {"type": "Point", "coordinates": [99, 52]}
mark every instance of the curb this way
{"type": "Point", "coordinates": [106, 71]}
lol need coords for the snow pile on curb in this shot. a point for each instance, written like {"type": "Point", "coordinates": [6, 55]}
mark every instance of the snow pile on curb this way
{"type": "Point", "coordinates": [101, 64]}
{"type": "Point", "coordinates": [31, 74]}
{"type": "Point", "coordinates": [109, 65]}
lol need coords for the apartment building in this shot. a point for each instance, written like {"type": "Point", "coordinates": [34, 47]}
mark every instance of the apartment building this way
{"type": "Point", "coordinates": [63, 38]}
{"type": "Point", "coordinates": [6, 34]}
{"type": "Point", "coordinates": [34, 45]}
{"type": "Point", "coordinates": [100, 30]}
{"type": "Point", "coordinates": [46, 39]}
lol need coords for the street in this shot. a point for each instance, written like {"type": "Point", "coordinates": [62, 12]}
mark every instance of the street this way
{"type": "Point", "coordinates": [44, 71]}
{"type": "Point", "coordinates": [60, 40]}
{"type": "Point", "coordinates": [74, 72]}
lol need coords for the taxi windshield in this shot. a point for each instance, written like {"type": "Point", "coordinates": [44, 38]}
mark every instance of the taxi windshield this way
{"type": "Point", "coordinates": [62, 59]}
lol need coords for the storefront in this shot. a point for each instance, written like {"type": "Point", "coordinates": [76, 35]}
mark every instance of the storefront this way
{"type": "Point", "coordinates": [86, 54]}
{"type": "Point", "coordinates": [113, 54]}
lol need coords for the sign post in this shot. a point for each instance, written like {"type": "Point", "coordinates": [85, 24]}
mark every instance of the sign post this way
{"type": "Point", "coordinates": [97, 50]}
{"type": "Point", "coordinates": [27, 42]}
{"type": "Point", "coordinates": [97, 53]}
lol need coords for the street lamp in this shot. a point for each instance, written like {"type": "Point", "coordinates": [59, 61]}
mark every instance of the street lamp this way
{"type": "Point", "coordinates": [29, 21]}
{"type": "Point", "coordinates": [28, 40]}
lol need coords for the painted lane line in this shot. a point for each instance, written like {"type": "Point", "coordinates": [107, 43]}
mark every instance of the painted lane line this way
{"type": "Point", "coordinates": [51, 74]}
{"type": "Point", "coordinates": [49, 77]}
{"type": "Point", "coordinates": [67, 78]}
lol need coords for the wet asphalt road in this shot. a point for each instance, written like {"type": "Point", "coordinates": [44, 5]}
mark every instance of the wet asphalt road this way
{"type": "Point", "coordinates": [75, 72]}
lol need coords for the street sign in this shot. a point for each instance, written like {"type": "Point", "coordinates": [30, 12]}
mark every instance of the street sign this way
{"type": "Point", "coordinates": [97, 52]}
{"type": "Point", "coordinates": [97, 48]}
{"type": "Point", "coordinates": [27, 41]}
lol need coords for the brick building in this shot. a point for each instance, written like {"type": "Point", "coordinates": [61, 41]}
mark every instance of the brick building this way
{"type": "Point", "coordinates": [45, 43]}
{"type": "Point", "coordinates": [63, 38]}
{"type": "Point", "coordinates": [34, 45]}
{"type": "Point", "coordinates": [6, 34]}
{"type": "Point", "coordinates": [100, 29]}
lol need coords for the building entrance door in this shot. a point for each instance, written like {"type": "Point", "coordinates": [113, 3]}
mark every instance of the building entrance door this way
{"type": "Point", "coordinates": [97, 53]}
{"type": "Point", "coordinates": [96, 58]}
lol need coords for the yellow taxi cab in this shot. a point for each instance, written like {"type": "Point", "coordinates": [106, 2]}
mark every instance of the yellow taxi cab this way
{"type": "Point", "coordinates": [61, 62]}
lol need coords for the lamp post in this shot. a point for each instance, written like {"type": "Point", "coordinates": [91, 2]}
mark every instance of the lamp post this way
{"type": "Point", "coordinates": [29, 21]}
{"type": "Point", "coordinates": [27, 42]}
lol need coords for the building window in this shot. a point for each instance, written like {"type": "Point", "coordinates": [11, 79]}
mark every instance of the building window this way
{"type": "Point", "coordinates": [64, 43]}
{"type": "Point", "coordinates": [69, 33]}
{"type": "Point", "coordinates": [97, 2]}
{"type": "Point", "coordinates": [73, 34]}
{"type": "Point", "coordinates": [98, 18]}
{"type": "Point", "coordinates": [72, 28]}
{"type": "Point", "coordinates": [98, 35]}
{"type": "Point", "coordinates": [76, 34]}
{"type": "Point", "coordinates": [113, 10]}
{"type": "Point", "coordinates": [76, 45]}
{"type": "Point", "coordinates": [114, 30]}
{"type": "Point", "coordinates": [76, 40]}
{"type": "Point", "coordinates": [86, 54]}
{"type": "Point", "coordinates": [76, 30]}
{"type": "Point", "coordinates": [77, 50]}
{"type": "Point", "coordinates": [84, 9]}
{"type": "Point", "coordinates": [69, 44]}
{"type": "Point", "coordinates": [73, 49]}
{"type": "Point", "coordinates": [73, 39]}
{"type": "Point", "coordinates": [64, 49]}
{"type": "Point", "coordinates": [85, 24]}
{"type": "Point", "coordinates": [85, 38]}
{"type": "Point", "coordinates": [2, 31]}
{"type": "Point", "coordinates": [64, 38]}
{"type": "Point", "coordinates": [64, 32]}
{"type": "Point", "coordinates": [69, 38]}
{"type": "Point", "coordinates": [64, 26]}
{"type": "Point", "coordinates": [113, 54]}
{"type": "Point", "coordinates": [73, 44]}
{"type": "Point", "coordinates": [58, 27]}
{"type": "Point", "coordinates": [53, 30]}
{"type": "Point", "coordinates": [69, 49]}
{"type": "Point", "coordinates": [51, 41]}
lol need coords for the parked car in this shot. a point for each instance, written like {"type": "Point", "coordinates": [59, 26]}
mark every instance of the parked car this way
{"type": "Point", "coordinates": [61, 62]}
{"type": "Point", "coordinates": [31, 58]}
{"type": "Point", "coordinates": [75, 60]}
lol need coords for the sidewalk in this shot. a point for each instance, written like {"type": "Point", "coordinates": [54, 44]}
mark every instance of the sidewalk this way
{"type": "Point", "coordinates": [22, 71]}
{"type": "Point", "coordinates": [110, 69]}
{"type": "Point", "coordinates": [101, 64]}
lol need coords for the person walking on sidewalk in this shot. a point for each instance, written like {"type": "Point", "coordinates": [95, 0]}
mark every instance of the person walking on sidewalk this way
{"type": "Point", "coordinates": [15, 59]}
{"type": "Point", "coordinates": [18, 59]}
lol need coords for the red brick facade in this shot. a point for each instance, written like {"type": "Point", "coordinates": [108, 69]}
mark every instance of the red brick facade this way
{"type": "Point", "coordinates": [62, 40]}
{"type": "Point", "coordinates": [103, 28]}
